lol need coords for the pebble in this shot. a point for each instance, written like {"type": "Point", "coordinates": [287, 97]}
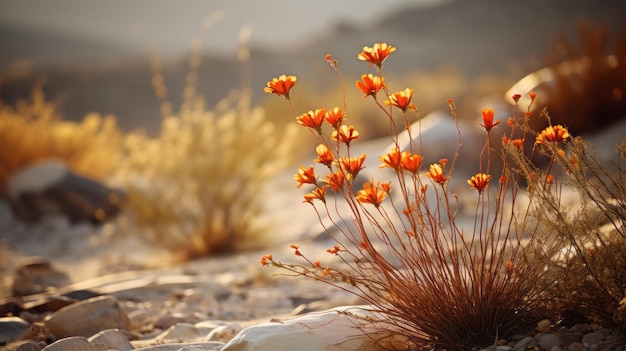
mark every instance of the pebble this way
{"type": "Point", "coordinates": [12, 328]}
{"type": "Point", "coordinates": [86, 318]}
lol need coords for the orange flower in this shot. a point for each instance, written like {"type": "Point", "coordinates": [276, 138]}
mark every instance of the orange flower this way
{"type": "Point", "coordinates": [324, 155]}
{"type": "Point", "coordinates": [352, 165]}
{"type": "Point", "coordinates": [436, 173]}
{"type": "Point", "coordinates": [316, 194]}
{"type": "Point", "coordinates": [312, 119]}
{"type": "Point", "coordinates": [370, 84]}
{"type": "Point", "coordinates": [377, 54]}
{"type": "Point", "coordinates": [402, 100]}
{"type": "Point", "coordinates": [372, 194]}
{"type": "Point", "coordinates": [518, 143]}
{"type": "Point", "coordinates": [335, 117]}
{"type": "Point", "coordinates": [335, 250]}
{"type": "Point", "coordinates": [488, 122]}
{"type": "Point", "coordinates": [335, 180]}
{"type": "Point", "coordinates": [305, 176]}
{"type": "Point", "coordinates": [392, 159]}
{"type": "Point", "coordinates": [552, 134]}
{"type": "Point", "coordinates": [281, 85]}
{"type": "Point", "coordinates": [479, 182]}
{"type": "Point", "coordinates": [412, 162]}
{"type": "Point", "coordinates": [266, 258]}
{"type": "Point", "coordinates": [345, 134]}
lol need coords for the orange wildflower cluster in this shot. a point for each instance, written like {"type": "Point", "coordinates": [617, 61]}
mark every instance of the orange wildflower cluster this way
{"type": "Point", "coordinates": [281, 85]}
{"type": "Point", "coordinates": [552, 134]}
{"type": "Point", "coordinates": [518, 143]}
{"type": "Point", "coordinates": [265, 259]}
{"type": "Point", "coordinates": [401, 160]}
{"type": "Point", "coordinates": [377, 54]}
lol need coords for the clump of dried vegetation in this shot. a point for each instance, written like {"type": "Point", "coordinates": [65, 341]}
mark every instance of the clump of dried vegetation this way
{"type": "Point", "coordinates": [198, 187]}
{"type": "Point", "coordinates": [32, 131]}
{"type": "Point", "coordinates": [439, 283]}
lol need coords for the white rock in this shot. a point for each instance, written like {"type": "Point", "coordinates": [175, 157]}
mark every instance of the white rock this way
{"type": "Point", "coordinates": [336, 329]}
{"type": "Point", "coordinates": [114, 339]}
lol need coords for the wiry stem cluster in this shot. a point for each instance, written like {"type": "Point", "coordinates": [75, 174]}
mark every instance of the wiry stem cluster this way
{"type": "Point", "coordinates": [437, 282]}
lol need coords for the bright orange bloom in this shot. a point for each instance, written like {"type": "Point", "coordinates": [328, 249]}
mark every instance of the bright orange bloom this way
{"type": "Point", "coordinates": [324, 155]}
{"type": "Point", "coordinates": [402, 100]}
{"type": "Point", "coordinates": [488, 122]}
{"type": "Point", "coordinates": [335, 180]}
{"type": "Point", "coordinates": [552, 134]}
{"type": "Point", "coordinates": [312, 119]}
{"type": "Point", "coordinates": [305, 176]}
{"type": "Point", "coordinates": [518, 143]}
{"type": "Point", "coordinates": [266, 258]}
{"type": "Point", "coordinates": [372, 194]}
{"type": "Point", "coordinates": [345, 134]}
{"type": "Point", "coordinates": [479, 182]}
{"type": "Point", "coordinates": [296, 249]}
{"type": "Point", "coordinates": [412, 162]}
{"type": "Point", "coordinates": [316, 194]}
{"type": "Point", "coordinates": [281, 85]}
{"type": "Point", "coordinates": [352, 165]}
{"type": "Point", "coordinates": [370, 84]}
{"type": "Point", "coordinates": [335, 117]}
{"type": "Point", "coordinates": [377, 54]}
{"type": "Point", "coordinates": [393, 159]}
{"type": "Point", "coordinates": [436, 173]}
{"type": "Point", "coordinates": [549, 179]}
{"type": "Point", "coordinates": [335, 250]}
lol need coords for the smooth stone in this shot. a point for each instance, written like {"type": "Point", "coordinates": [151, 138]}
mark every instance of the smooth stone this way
{"type": "Point", "coordinates": [171, 318]}
{"type": "Point", "coordinates": [12, 328]}
{"type": "Point", "coordinates": [49, 187]}
{"type": "Point", "coordinates": [547, 340]}
{"type": "Point", "coordinates": [86, 318]}
{"type": "Point", "coordinates": [523, 344]}
{"type": "Point", "coordinates": [28, 345]}
{"type": "Point", "coordinates": [74, 343]}
{"type": "Point", "coordinates": [196, 346]}
{"type": "Point", "coordinates": [36, 275]}
{"type": "Point", "coordinates": [592, 339]}
{"type": "Point", "coordinates": [544, 326]}
{"type": "Point", "coordinates": [332, 330]}
{"type": "Point", "coordinates": [575, 346]}
{"type": "Point", "coordinates": [115, 339]}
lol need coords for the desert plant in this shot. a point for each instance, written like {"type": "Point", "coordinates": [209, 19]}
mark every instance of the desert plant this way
{"type": "Point", "coordinates": [198, 187]}
{"type": "Point", "coordinates": [587, 216]}
{"type": "Point", "coordinates": [436, 282]}
{"type": "Point", "coordinates": [33, 130]}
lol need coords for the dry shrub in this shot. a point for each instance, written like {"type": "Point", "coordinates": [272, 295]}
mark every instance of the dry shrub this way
{"type": "Point", "coordinates": [198, 187]}
{"type": "Point", "coordinates": [32, 131]}
{"type": "Point", "coordinates": [587, 277]}
{"type": "Point", "coordinates": [399, 245]}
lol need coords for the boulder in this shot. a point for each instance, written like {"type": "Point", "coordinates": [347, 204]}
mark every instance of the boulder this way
{"type": "Point", "coordinates": [340, 329]}
{"type": "Point", "coordinates": [48, 187]}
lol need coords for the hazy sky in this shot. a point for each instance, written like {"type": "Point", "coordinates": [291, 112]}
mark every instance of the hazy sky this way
{"type": "Point", "coordinates": [173, 23]}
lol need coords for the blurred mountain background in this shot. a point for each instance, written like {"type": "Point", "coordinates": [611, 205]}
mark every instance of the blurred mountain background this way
{"type": "Point", "coordinates": [95, 56]}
